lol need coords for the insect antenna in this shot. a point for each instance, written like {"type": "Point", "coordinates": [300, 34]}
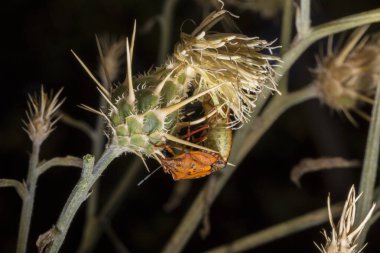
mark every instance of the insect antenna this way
{"type": "Point", "coordinates": [148, 176]}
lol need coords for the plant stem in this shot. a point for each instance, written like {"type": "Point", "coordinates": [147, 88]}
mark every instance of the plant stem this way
{"type": "Point", "coordinates": [321, 31]}
{"type": "Point", "coordinates": [368, 176]}
{"type": "Point", "coordinates": [71, 161]}
{"type": "Point", "coordinates": [192, 218]}
{"type": "Point", "coordinates": [19, 187]}
{"type": "Point", "coordinates": [278, 231]}
{"type": "Point", "coordinates": [303, 20]}
{"type": "Point", "coordinates": [286, 35]}
{"type": "Point", "coordinates": [316, 33]}
{"type": "Point", "coordinates": [28, 201]}
{"type": "Point", "coordinates": [92, 203]}
{"type": "Point", "coordinates": [89, 176]}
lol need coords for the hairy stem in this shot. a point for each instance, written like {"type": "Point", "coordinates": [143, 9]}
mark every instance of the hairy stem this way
{"type": "Point", "coordinates": [303, 19]}
{"type": "Point", "coordinates": [286, 35]}
{"type": "Point", "coordinates": [192, 218]}
{"type": "Point", "coordinates": [369, 172]}
{"type": "Point", "coordinates": [71, 161]}
{"type": "Point", "coordinates": [92, 203]}
{"type": "Point", "coordinates": [89, 176]}
{"type": "Point", "coordinates": [28, 200]}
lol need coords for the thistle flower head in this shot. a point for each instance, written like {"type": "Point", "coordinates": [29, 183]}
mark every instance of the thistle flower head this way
{"type": "Point", "coordinates": [343, 237]}
{"type": "Point", "coordinates": [349, 76]}
{"type": "Point", "coordinates": [142, 112]}
{"type": "Point", "coordinates": [235, 61]}
{"type": "Point", "coordinates": [41, 115]}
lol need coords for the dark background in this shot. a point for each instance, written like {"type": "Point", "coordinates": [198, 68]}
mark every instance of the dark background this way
{"type": "Point", "coordinates": [36, 42]}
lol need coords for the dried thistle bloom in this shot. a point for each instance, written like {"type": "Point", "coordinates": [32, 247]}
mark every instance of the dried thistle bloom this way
{"type": "Point", "coordinates": [234, 61]}
{"type": "Point", "coordinates": [41, 115]}
{"type": "Point", "coordinates": [350, 76]}
{"type": "Point", "coordinates": [145, 113]}
{"type": "Point", "coordinates": [343, 238]}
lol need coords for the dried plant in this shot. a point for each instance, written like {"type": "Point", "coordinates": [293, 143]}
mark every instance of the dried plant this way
{"type": "Point", "coordinates": [344, 236]}
{"type": "Point", "coordinates": [41, 115]}
{"type": "Point", "coordinates": [349, 76]}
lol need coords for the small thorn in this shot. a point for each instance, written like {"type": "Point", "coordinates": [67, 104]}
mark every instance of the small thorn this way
{"type": "Point", "coordinates": [352, 41]}
{"type": "Point", "coordinates": [131, 94]}
{"type": "Point", "coordinates": [90, 109]}
{"type": "Point", "coordinates": [142, 159]}
{"type": "Point", "coordinates": [187, 143]}
{"type": "Point", "coordinates": [160, 86]}
{"type": "Point", "coordinates": [177, 106]}
{"type": "Point", "coordinates": [108, 101]}
{"type": "Point", "coordinates": [91, 75]}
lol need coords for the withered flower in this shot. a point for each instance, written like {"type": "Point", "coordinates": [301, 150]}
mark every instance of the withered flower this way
{"type": "Point", "coordinates": [343, 237]}
{"type": "Point", "coordinates": [349, 76]}
{"type": "Point", "coordinates": [235, 61]}
{"type": "Point", "coordinates": [41, 115]}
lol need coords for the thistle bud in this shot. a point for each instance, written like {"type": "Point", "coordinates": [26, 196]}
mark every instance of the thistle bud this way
{"type": "Point", "coordinates": [41, 115]}
{"type": "Point", "coordinates": [349, 76]}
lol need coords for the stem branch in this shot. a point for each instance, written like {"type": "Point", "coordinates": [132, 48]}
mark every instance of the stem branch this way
{"type": "Point", "coordinates": [80, 193]}
{"type": "Point", "coordinates": [59, 161]}
{"type": "Point", "coordinates": [19, 187]}
{"type": "Point", "coordinates": [279, 231]}
{"type": "Point", "coordinates": [28, 200]}
{"type": "Point", "coordinates": [369, 172]}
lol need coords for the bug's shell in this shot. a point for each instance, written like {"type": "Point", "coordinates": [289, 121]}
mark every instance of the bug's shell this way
{"type": "Point", "coordinates": [192, 164]}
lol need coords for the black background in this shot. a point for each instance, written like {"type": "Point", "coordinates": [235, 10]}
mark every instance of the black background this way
{"type": "Point", "coordinates": [36, 40]}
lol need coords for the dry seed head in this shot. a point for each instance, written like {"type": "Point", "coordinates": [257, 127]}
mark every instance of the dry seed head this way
{"type": "Point", "coordinates": [343, 237]}
{"type": "Point", "coordinates": [236, 61]}
{"type": "Point", "coordinates": [41, 115]}
{"type": "Point", "coordinates": [351, 75]}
